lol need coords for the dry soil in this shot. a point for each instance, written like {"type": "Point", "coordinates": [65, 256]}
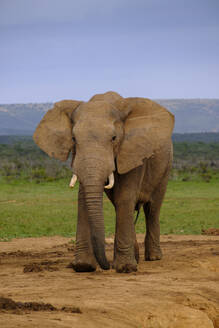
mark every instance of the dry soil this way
{"type": "Point", "coordinates": [38, 288]}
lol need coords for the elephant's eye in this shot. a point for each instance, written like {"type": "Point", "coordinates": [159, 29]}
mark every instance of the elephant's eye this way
{"type": "Point", "coordinates": [73, 139]}
{"type": "Point", "coordinates": [113, 138]}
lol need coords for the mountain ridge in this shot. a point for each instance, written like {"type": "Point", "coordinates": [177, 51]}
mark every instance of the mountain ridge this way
{"type": "Point", "coordinates": [194, 115]}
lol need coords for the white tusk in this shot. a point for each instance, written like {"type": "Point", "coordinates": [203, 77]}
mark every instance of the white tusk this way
{"type": "Point", "coordinates": [111, 182]}
{"type": "Point", "coordinates": [73, 181]}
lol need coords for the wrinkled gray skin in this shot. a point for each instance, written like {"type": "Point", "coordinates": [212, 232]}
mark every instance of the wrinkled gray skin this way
{"type": "Point", "coordinates": [103, 143]}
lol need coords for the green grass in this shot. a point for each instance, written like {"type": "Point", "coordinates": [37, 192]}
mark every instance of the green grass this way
{"type": "Point", "coordinates": [188, 207]}
{"type": "Point", "coordinates": [30, 209]}
{"type": "Point", "coordinates": [46, 209]}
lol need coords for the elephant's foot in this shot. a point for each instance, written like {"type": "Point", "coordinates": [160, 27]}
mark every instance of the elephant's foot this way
{"type": "Point", "coordinates": [154, 254]}
{"type": "Point", "coordinates": [84, 264]}
{"type": "Point", "coordinates": [122, 266]}
{"type": "Point", "coordinates": [126, 268]}
{"type": "Point", "coordinates": [83, 267]}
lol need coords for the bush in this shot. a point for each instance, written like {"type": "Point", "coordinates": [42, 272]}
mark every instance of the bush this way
{"type": "Point", "coordinates": [24, 160]}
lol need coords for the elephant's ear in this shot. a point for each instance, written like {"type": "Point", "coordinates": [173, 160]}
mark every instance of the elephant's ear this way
{"type": "Point", "coordinates": [54, 133]}
{"type": "Point", "coordinates": [147, 127]}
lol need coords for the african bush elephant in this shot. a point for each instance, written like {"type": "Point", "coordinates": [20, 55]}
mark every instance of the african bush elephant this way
{"type": "Point", "coordinates": [126, 144]}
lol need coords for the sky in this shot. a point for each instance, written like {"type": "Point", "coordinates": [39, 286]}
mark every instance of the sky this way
{"type": "Point", "coordinates": [67, 49]}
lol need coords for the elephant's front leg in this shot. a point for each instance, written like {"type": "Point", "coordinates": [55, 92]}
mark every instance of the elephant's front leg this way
{"type": "Point", "coordinates": [125, 239]}
{"type": "Point", "coordinates": [84, 258]}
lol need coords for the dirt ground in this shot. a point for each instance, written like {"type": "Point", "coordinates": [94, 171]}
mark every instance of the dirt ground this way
{"type": "Point", "coordinates": [39, 289]}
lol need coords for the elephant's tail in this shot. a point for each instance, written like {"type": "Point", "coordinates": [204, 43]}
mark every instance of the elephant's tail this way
{"type": "Point", "coordinates": [137, 208]}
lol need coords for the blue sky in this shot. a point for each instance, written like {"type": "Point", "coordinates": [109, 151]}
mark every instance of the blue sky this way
{"type": "Point", "coordinates": [68, 49]}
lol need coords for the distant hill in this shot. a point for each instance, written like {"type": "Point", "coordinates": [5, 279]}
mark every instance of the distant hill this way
{"type": "Point", "coordinates": [21, 119]}
{"type": "Point", "coordinates": [191, 115]}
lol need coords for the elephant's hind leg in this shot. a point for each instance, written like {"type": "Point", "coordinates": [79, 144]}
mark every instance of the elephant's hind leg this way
{"type": "Point", "coordinates": [152, 239]}
{"type": "Point", "coordinates": [152, 213]}
{"type": "Point", "coordinates": [84, 258]}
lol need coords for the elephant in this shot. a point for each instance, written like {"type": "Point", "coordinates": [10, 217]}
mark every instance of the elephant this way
{"type": "Point", "coordinates": [121, 146]}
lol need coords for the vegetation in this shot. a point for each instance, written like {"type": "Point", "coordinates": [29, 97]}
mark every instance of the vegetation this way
{"type": "Point", "coordinates": [22, 159]}
{"type": "Point", "coordinates": [30, 209]}
{"type": "Point", "coordinates": [205, 137]}
{"type": "Point", "coordinates": [35, 199]}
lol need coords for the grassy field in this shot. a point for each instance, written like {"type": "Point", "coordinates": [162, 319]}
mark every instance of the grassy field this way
{"type": "Point", "coordinates": [46, 209]}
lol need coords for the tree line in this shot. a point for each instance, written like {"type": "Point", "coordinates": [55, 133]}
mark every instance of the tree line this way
{"type": "Point", "coordinates": [20, 159]}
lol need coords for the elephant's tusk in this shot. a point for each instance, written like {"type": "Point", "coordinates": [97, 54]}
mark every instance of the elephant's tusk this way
{"type": "Point", "coordinates": [111, 182]}
{"type": "Point", "coordinates": [73, 181]}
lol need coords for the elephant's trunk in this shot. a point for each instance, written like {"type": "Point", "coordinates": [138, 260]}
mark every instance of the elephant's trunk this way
{"type": "Point", "coordinates": [94, 203]}
{"type": "Point", "coordinates": [92, 172]}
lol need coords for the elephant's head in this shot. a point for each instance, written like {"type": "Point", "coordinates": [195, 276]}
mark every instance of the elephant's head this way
{"type": "Point", "coordinates": [106, 133]}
